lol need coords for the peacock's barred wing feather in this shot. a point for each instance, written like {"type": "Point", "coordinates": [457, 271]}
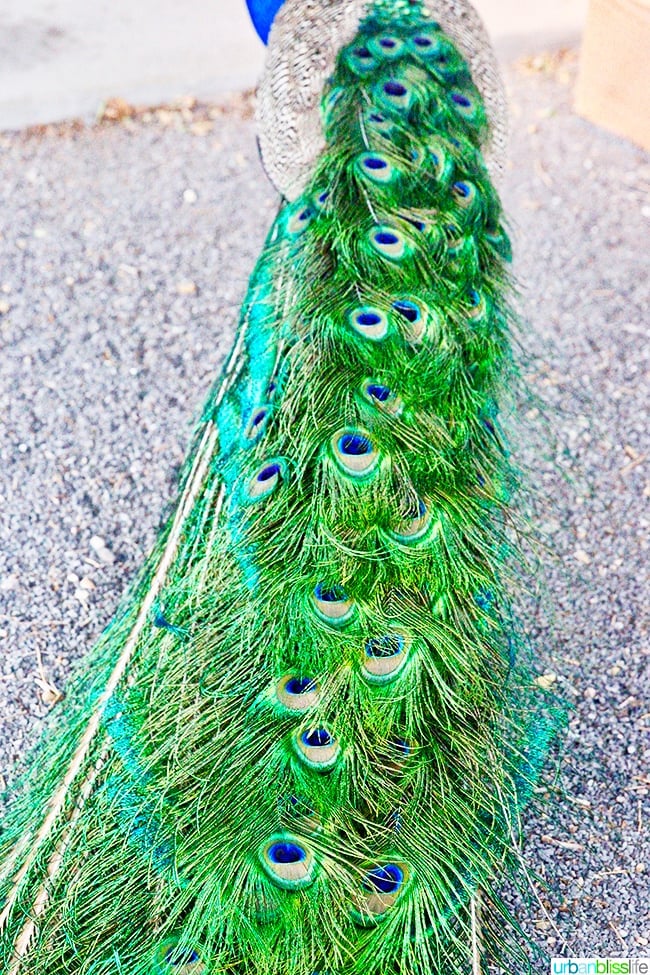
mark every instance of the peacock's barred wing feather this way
{"type": "Point", "coordinates": [304, 743]}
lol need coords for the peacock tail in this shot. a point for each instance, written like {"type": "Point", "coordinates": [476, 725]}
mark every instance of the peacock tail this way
{"type": "Point", "coordinates": [304, 743]}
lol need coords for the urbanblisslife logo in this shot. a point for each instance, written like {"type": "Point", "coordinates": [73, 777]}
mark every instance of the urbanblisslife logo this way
{"type": "Point", "coordinates": [600, 966]}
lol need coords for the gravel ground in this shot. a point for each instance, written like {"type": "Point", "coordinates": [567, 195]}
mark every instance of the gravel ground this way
{"type": "Point", "coordinates": [125, 252]}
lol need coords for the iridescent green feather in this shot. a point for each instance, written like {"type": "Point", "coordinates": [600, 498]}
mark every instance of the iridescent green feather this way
{"type": "Point", "coordinates": [318, 758]}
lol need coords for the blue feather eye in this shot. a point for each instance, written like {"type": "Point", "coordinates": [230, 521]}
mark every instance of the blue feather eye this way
{"type": "Point", "coordinates": [388, 242]}
{"type": "Point", "coordinates": [287, 861]}
{"type": "Point", "coordinates": [316, 748]}
{"type": "Point", "coordinates": [385, 656]}
{"type": "Point", "coordinates": [267, 479]}
{"type": "Point", "coordinates": [464, 104]}
{"type": "Point", "coordinates": [378, 892]}
{"type": "Point", "coordinates": [320, 199]}
{"type": "Point", "coordinates": [257, 423]}
{"type": "Point", "coordinates": [287, 853]}
{"type": "Point", "coordinates": [300, 220]}
{"type": "Point", "coordinates": [376, 167]}
{"type": "Point", "coordinates": [332, 604]}
{"type": "Point", "coordinates": [354, 452]}
{"type": "Point", "coordinates": [460, 100]}
{"type": "Point", "coordinates": [422, 42]}
{"type": "Point", "coordinates": [395, 89]}
{"type": "Point", "coordinates": [360, 59]}
{"type": "Point", "coordinates": [172, 959]}
{"type": "Point", "coordinates": [297, 693]}
{"type": "Point", "coordinates": [394, 94]}
{"type": "Point", "coordinates": [411, 319]}
{"type": "Point", "coordinates": [184, 958]}
{"type": "Point", "coordinates": [386, 879]}
{"type": "Point", "coordinates": [370, 322]}
{"type": "Point", "coordinates": [386, 46]}
{"type": "Point", "coordinates": [484, 599]}
{"type": "Point", "coordinates": [414, 220]}
{"type": "Point", "coordinates": [382, 397]}
{"type": "Point", "coordinates": [464, 193]}
{"type": "Point", "coordinates": [379, 393]}
{"type": "Point", "coordinates": [477, 304]}
{"type": "Point", "coordinates": [377, 123]}
{"type": "Point", "coordinates": [426, 44]}
{"type": "Point", "coordinates": [385, 646]}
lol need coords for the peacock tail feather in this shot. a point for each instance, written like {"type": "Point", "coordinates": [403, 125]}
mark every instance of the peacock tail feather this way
{"type": "Point", "coordinates": [304, 743]}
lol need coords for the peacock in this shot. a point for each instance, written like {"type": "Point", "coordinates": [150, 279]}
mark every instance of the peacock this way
{"type": "Point", "coordinates": [304, 743]}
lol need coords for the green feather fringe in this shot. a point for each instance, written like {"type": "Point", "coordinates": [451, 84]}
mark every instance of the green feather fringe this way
{"type": "Point", "coordinates": [320, 753]}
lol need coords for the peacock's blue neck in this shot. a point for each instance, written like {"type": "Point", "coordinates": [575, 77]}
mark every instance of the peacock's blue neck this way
{"type": "Point", "coordinates": [263, 14]}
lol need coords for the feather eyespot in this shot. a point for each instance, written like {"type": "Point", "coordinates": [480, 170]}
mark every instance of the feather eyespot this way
{"type": "Point", "coordinates": [499, 241]}
{"type": "Point", "coordinates": [355, 452]}
{"type": "Point", "coordinates": [375, 167]}
{"type": "Point", "coordinates": [384, 657]}
{"type": "Point", "coordinates": [425, 43]}
{"type": "Point", "coordinates": [401, 746]}
{"type": "Point", "coordinates": [378, 892]}
{"type": "Point", "coordinates": [411, 318]}
{"type": "Point", "coordinates": [287, 861]}
{"type": "Point", "coordinates": [386, 46]}
{"type": "Point", "coordinates": [395, 89]}
{"type": "Point", "coordinates": [377, 123]}
{"type": "Point", "coordinates": [477, 304]}
{"type": "Point", "coordinates": [395, 94]}
{"type": "Point", "coordinates": [332, 604]}
{"type": "Point", "coordinates": [386, 879]}
{"type": "Point", "coordinates": [461, 100]}
{"type": "Point", "coordinates": [257, 423]}
{"type": "Point", "coordinates": [369, 322]}
{"type": "Point", "coordinates": [316, 748]}
{"type": "Point", "coordinates": [173, 959]}
{"type": "Point", "coordinates": [297, 693]}
{"type": "Point", "coordinates": [388, 242]}
{"type": "Point", "coordinates": [300, 220]}
{"type": "Point", "coordinates": [360, 60]}
{"type": "Point", "coordinates": [464, 193]}
{"type": "Point", "coordinates": [417, 222]}
{"type": "Point", "coordinates": [267, 479]}
{"type": "Point", "coordinates": [455, 240]}
{"type": "Point", "coordinates": [441, 160]}
{"type": "Point", "coordinates": [190, 957]}
{"type": "Point", "coordinates": [320, 199]}
{"type": "Point", "coordinates": [379, 393]}
{"type": "Point", "coordinates": [382, 397]}
{"type": "Point", "coordinates": [397, 753]}
{"type": "Point", "coordinates": [418, 526]}
{"type": "Point", "coordinates": [464, 105]}
{"type": "Point", "coordinates": [484, 599]}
